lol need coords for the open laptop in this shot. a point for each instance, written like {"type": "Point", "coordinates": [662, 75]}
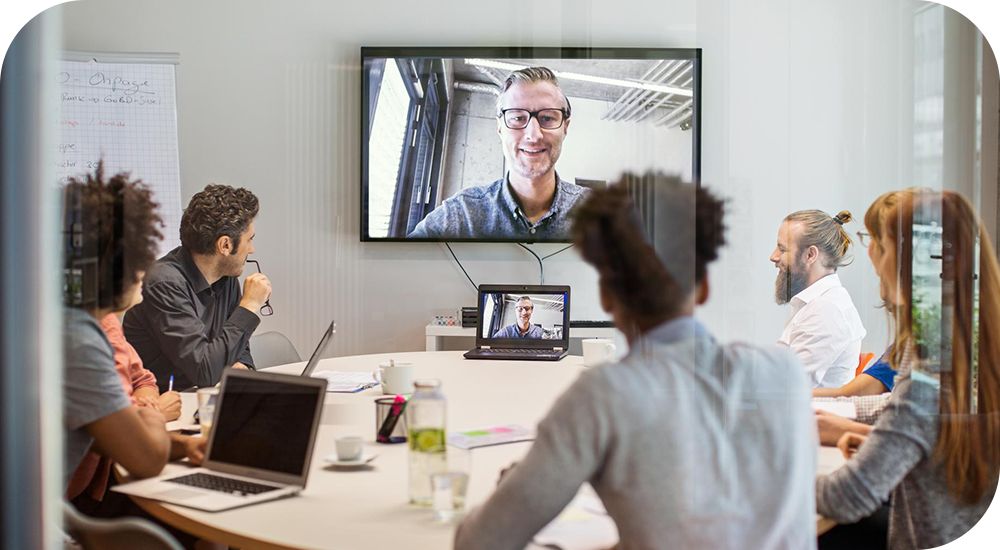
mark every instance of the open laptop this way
{"type": "Point", "coordinates": [320, 347]}
{"type": "Point", "coordinates": [523, 322]}
{"type": "Point", "coordinates": [259, 449]}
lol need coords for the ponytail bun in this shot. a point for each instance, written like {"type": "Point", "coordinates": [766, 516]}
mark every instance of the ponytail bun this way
{"type": "Point", "coordinates": [843, 217]}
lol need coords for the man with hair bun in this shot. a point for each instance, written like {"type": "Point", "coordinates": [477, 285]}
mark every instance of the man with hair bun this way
{"type": "Point", "coordinates": [193, 321]}
{"type": "Point", "coordinates": [530, 202]}
{"type": "Point", "coordinates": [824, 328]}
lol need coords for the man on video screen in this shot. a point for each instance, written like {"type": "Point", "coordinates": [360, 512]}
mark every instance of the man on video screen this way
{"type": "Point", "coordinates": [530, 202]}
{"type": "Point", "coordinates": [522, 328]}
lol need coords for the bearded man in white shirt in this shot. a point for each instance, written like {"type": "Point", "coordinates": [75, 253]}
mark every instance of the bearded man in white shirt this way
{"type": "Point", "coordinates": [824, 329]}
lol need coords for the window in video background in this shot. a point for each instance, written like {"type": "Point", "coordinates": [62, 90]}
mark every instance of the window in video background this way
{"type": "Point", "coordinates": [433, 128]}
{"type": "Point", "coordinates": [500, 311]}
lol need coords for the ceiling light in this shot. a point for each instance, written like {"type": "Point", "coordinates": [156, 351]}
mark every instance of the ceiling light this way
{"type": "Point", "coordinates": [624, 83]}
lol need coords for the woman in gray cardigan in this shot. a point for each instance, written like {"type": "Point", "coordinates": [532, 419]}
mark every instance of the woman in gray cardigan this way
{"type": "Point", "coordinates": [935, 450]}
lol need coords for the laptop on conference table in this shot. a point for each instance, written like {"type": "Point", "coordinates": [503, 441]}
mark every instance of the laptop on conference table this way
{"type": "Point", "coordinates": [260, 447]}
{"type": "Point", "coordinates": [323, 341]}
{"type": "Point", "coordinates": [523, 322]}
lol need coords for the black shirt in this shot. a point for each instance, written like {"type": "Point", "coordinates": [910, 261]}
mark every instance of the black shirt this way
{"type": "Point", "coordinates": [187, 328]}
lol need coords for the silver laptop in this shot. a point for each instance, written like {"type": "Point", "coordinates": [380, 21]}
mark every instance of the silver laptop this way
{"type": "Point", "coordinates": [260, 447]}
{"type": "Point", "coordinates": [323, 342]}
{"type": "Point", "coordinates": [522, 322]}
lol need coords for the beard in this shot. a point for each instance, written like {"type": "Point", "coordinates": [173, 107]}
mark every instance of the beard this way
{"type": "Point", "coordinates": [788, 283]}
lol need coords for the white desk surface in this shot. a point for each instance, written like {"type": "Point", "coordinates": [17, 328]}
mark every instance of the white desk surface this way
{"type": "Point", "coordinates": [368, 508]}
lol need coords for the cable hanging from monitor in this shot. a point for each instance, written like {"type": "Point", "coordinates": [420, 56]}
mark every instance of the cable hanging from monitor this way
{"type": "Point", "coordinates": [541, 265]}
{"type": "Point", "coordinates": [459, 262]}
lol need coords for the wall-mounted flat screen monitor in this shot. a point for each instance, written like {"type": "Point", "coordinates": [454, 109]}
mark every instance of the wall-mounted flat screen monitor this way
{"type": "Point", "coordinates": [500, 144]}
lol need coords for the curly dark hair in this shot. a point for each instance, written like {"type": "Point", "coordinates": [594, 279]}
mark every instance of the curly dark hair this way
{"type": "Point", "coordinates": [217, 211]}
{"type": "Point", "coordinates": [111, 231]}
{"type": "Point", "coordinates": [648, 281]}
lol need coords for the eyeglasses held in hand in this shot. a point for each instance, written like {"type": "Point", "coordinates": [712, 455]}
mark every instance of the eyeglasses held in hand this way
{"type": "Point", "coordinates": [265, 310]}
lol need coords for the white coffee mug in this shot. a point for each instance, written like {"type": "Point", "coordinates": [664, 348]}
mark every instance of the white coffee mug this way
{"type": "Point", "coordinates": [397, 378]}
{"type": "Point", "coordinates": [349, 448]}
{"type": "Point", "coordinates": [597, 351]}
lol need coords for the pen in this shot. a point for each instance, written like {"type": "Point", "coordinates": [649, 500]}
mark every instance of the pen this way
{"type": "Point", "coordinates": [170, 385]}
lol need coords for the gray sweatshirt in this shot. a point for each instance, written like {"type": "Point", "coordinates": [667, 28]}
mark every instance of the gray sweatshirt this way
{"type": "Point", "coordinates": [689, 445]}
{"type": "Point", "coordinates": [897, 460]}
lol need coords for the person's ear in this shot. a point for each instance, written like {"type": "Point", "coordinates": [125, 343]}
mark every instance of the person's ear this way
{"type": "Point", "coordinates": [701, 291]}
{"type": "Point", "coordinates": [224, 245]}
{"type": "Point", "coordinates": [566, 126]}
{"type": "Point", "coordinates": [812, 254]}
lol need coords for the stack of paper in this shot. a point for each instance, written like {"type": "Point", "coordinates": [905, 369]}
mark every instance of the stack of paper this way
{"type": "Point", "coordinates": [346, 382]}
{"type": "Point", "coordinates": [840, 406]}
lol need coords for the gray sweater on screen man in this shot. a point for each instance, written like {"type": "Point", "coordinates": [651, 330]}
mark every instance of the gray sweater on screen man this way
{"type": "Point", "coordinates": [688, 443]}
{"type": "Point", "coordinates": [898, 460]}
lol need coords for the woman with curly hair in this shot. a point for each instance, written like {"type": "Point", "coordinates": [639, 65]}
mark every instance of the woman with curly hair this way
{"type": "Point", "coordinates": [673, 436]}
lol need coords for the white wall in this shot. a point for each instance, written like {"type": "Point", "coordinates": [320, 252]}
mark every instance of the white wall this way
{"type": "Point", "coordinates": [806, 105]}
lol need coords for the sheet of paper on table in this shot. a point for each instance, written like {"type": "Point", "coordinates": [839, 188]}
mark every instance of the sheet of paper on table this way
{"type": "Point", "coordinates": [583, 525]}
{"type": "Point", "coordinates": [494, 435]}
{"type": "Point", "coordinates": [840, 406]}
{"type": "Point", "coordinates": [346, 381]}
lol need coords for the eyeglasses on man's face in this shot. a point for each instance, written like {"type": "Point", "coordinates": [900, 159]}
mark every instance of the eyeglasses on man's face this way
{"type": "Point", "coordinates": [864, 238]}
{"type": "Point", "coordinates": [548, 119]}
{"type": "Point", "coordinates": [525, 308]}
{"type": "Point", "coordinates": [265, 310]}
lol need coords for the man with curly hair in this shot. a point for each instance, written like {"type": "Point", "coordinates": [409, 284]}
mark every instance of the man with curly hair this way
{"type": "Point", "coordinates": [193, 321]}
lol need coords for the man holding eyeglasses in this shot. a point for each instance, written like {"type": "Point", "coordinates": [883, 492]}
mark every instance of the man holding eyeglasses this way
{"type": "Point", "coordinates": [530, 202]}
{"type": "Point", "coordinates": [193, 321]}
{"type": "Point", "coordinates": [522, 328]}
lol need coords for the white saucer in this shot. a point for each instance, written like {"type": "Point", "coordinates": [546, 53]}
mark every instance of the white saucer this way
{"type": "Point", "coordinates": [366, 457]}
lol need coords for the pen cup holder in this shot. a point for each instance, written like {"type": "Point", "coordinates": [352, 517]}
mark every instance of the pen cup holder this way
{"type": "Point", "coordinates": [383, 406]}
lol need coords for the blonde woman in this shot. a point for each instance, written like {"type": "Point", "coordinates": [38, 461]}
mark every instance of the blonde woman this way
{"type": "Point", "coordinates": [936, 448]}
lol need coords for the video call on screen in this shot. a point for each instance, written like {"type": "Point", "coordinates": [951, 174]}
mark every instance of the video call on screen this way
{"type": "Point", "coordinates": [531, 316]}
{"type": "Point", "coordinates": [256, 410]}
{"type": "Point", "coordinates": [430, 129]}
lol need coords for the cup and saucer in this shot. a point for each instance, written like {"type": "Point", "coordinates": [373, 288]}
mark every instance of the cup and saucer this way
{"type": "Point", "coordinates": [351, 453]}
{"type": "Point", "coordinates": [362, 460]}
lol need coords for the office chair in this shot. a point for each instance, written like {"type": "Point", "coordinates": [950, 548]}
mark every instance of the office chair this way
{"type": "Point", "coordinates": [115, 534]}
{"type": "Point", "coordinates": [272, 348]}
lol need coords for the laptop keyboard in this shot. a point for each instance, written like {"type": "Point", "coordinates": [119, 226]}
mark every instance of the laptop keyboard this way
{"type": "Point", "coordinates": [223, 484]}
{"type": "Point", "coordinates": [516, 351]}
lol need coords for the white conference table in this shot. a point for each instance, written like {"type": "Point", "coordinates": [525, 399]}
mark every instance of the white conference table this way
{"type": "Point", "coordinates": [368, 508]}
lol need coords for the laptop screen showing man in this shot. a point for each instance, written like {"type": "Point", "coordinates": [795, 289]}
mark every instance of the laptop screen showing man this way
{"type": "Point", "coordinates": [533, 317]}
{"type": "Point", "coordinates": [514, 315]}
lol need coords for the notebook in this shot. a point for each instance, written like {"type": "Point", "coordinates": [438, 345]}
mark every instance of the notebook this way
{"type": "Point", "coordinates": [522, 322]}
{"type": "Point", "coordinates": [259, 449]}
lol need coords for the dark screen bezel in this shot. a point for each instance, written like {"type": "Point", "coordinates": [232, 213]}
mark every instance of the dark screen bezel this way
{"type": "Point", "coordinates": [516, 52]}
